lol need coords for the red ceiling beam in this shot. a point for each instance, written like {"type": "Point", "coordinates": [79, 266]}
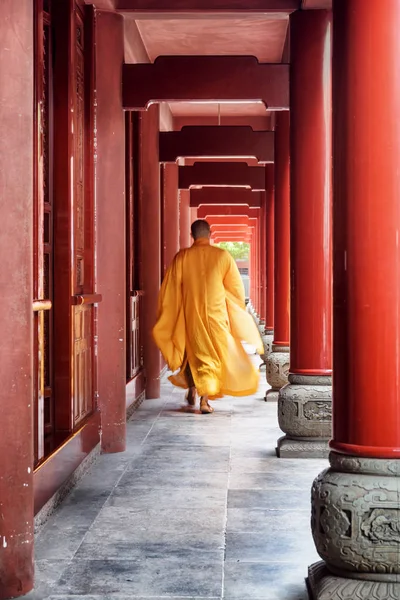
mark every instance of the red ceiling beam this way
{"type": "Point", "coordinates": [216, 141]}
{"type": "Point", "coordinates": [205, 211]}
{"type": "Point", "coordinates": [228, 220]}
{"type": "Point", "coordinates": [209, 6]}
{"type": "Point", "coordinates": [205, 78]}
{"type": "Point", "coordinates": [218, 173]}
{"type": "Point", "coordinates": [225, 196]}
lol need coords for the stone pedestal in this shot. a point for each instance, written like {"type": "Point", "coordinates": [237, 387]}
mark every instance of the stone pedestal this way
{"type": "Point", "coordinates": [356, 529]}
{"type": "Point", "coordinates": [267, 340]}
{"type": "Point", "coordinates": [277, 371]}
{"type": "Point", "coordinates": [305, 416]}
{"type": "Point", "coordinates": [322, 585]}
{"type": "Point", "coordinates": [261, 326]}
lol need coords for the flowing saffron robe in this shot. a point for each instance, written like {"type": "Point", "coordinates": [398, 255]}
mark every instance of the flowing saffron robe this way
{"type": "Point", "coordinates": [202, 320]}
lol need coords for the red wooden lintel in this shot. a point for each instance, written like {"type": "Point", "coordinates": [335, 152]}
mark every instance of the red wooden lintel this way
{"type": "Point", "coordinates": [209, 78]}
{"type": "Point", "coordinates": [214, 141]}
{"type": "Point", "coordinates": [222, 173]}
{"type": "Point", "coordinates": [210, 6]}
{"type": "Point", "coordinates": [225, 196]}
{"type": "Point", "coordinates": [214, 210]}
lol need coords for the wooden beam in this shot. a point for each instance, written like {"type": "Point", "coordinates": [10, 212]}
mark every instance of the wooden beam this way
{"type": "Point", "coordinates": [205, 78]}
{"type": "Point", "coordinates": [217, 173]}
{"type": "Point", "coordinates": [216, 141]}
{"type": "Point", "coordinates": [225, 196]}
{"type": "Point", "coordinates": [144, 7]}
{"type": "Point", "coordinates": [209, 210]}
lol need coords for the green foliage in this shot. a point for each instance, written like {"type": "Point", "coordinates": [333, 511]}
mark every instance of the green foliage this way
{"type": "Point", "coordinates": [239, 250]}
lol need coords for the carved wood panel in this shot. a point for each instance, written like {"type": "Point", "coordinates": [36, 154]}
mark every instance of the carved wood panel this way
{"type": "Point", "coordinates": [43, 231]}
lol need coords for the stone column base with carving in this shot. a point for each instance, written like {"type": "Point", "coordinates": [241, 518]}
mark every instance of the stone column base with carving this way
{"type": "Point", "coordinates": [261, 326]}
{"type": "Point", "coordinates": [322, 585]}
{"type": "Point", "coordinates": [356, 529]}
{"type": "Point", "coordinates": [277, 371]}
{"type": "Point", "coordinates": [305, 416]}
{"type": "Point", "coordinates": [267, 339]}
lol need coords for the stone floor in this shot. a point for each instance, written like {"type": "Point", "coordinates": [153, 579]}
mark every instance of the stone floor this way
{"type": "Point", "coordinates": [198, 507]}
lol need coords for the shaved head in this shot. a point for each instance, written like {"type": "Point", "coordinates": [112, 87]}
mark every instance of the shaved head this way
{"type": "Point", "coordinates": [200, 229]}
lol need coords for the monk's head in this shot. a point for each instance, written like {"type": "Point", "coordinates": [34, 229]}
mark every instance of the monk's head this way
{"type": "Point", "coordinates": [200, 229]}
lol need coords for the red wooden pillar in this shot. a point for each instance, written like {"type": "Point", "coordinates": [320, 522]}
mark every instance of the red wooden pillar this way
{"type": "Point", "coordinates": [193, 213]}
{"type": "Point", "coordinates": [150, 241]}
{"type": "Point", "coordinates": [270, 236]}
{"type": "Point", "coordinates": [263, 221]}
{"type": "Point", "coordinates": [278, 361]}
{"type": "Point", "coordinates": [16, 317]}
{"type": "Point", "coordinates": [356, 503]}
{"type": "Point", "coordinates": [171, 213]}
{"type": "Point", "coordinates": [184, 219]}
{"type": "Point", "coordinates": [110, 189]}
{"type": "Point", "coordinates": [311, 254]}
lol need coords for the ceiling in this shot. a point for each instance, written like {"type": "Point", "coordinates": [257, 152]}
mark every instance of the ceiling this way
{"type": "Point", "coordinates": [251, 36]}
{"type": "Point", "coordinates": [259, 35]}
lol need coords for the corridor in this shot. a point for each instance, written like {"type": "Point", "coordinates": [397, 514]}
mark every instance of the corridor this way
{"type": "Point", "coordinates": [198, 507]}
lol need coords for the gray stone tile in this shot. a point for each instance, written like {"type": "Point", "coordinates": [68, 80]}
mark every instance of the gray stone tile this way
{"type": "Point", "coordinates": [278, 465]}
{"type": "Point", "coordinates": [156, 533]}
{"type": "Point", "coordinates": [180, 497]}
{"type": "Point", "coordinates": [267, 521]}
{"type": "Point", "coordinates": [130, 597]}
{"type": "Point", "coordinates": [157, 478]}
{"type": "Point", "coordinates": [264, 581]}
{"type": "Point", "coordinates": [152, 577]}
{"type": "Point", "coordinates": [273, 499]}
{"type": "Point", "coordinates": [289, 546]}
{"type": "Point", "coordinates": [197, 438]}
{"type": "Point", "coordinates": [68, 541]}
{"type": "Point", "coordinates": [270, 481]}
{"type": "Point", "coordinates": [47, 573]}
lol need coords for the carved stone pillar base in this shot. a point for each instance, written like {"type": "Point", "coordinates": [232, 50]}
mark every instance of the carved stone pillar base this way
{"type": "Point", "coordinates": [305, 415]}
{"type": "Point", "coordinates": [355, 525]}
{"type": "Point", "coordinates": [271, 396]}
{"type": "Point", "coordinates": [290, 448]}
{"type": "Point", "coordinates": [277, 370]}
{"type": "Point", "coordinates": [261, 326]}
{"type": "Point", "coordinates": [323, 585]}
{"type": "Point", "coordinates": [267, 339]}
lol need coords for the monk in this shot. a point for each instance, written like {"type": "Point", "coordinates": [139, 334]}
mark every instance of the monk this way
{"type": "Point", "coordinates": [202, 321]}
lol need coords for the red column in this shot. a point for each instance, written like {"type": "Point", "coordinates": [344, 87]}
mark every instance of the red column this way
{"type": "Point", "coordinates": [310, 243]}
{"type": "Point", "coordinates": [193, 214]}
{"type": "Point", "coordinates": [363, 483]}
{"type": "Point", "coordinates": [278, 360]}
{"type": "Point", "coordinates": [184, 219]}
{"type": "Point", "coordinates": [263, 222]}
{"type": "Point", "coordinates": [150, 242]}
{"type": "Point", "coordinates": [282, 231]}
{"type": "Point", "coordinates": [270, 234]}
{"type": "Point", "coordinates": [171, 212]}
{"type": "Point", "coordinates": [110, 221]}
{"type": "Point", "coordinates": [16, 317]}
{"type": "Point", "coordinates": [366, 243]}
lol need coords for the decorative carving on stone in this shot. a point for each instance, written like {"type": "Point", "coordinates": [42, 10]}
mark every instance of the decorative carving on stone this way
{"type": "Point", "coordinates": [325, 586]}
{"type": "Point", "coordinates": [356, 518]}
{"type": "Point", "coordinates": [278, 367]}
{"type": "Point", "coordinates": [288, 448]}
{"type": "Point", "coordinates": [267, 340]}
{"type": "Point", "coordinates": [305, 407]}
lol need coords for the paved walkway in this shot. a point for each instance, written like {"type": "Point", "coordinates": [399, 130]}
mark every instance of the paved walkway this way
{"type": "Point", "coordinates": [198, 507]}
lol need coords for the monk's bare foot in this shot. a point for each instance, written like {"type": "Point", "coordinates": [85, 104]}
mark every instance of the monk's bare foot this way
{"type": "Point", "coordinates": [205, 408]}
{"type": "Point", "coordinates": [191, 396]}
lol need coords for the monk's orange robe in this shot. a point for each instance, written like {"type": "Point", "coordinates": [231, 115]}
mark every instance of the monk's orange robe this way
{"type": "Point", "coordinates": [202, 319]}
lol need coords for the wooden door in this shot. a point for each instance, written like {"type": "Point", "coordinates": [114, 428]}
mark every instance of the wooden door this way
{"type": "Point", "coordinates": [64, 296]}
{"type": "Point", "coordinates": [43, 232]}
{"type": "Point", "coordinates": [134, 350]}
